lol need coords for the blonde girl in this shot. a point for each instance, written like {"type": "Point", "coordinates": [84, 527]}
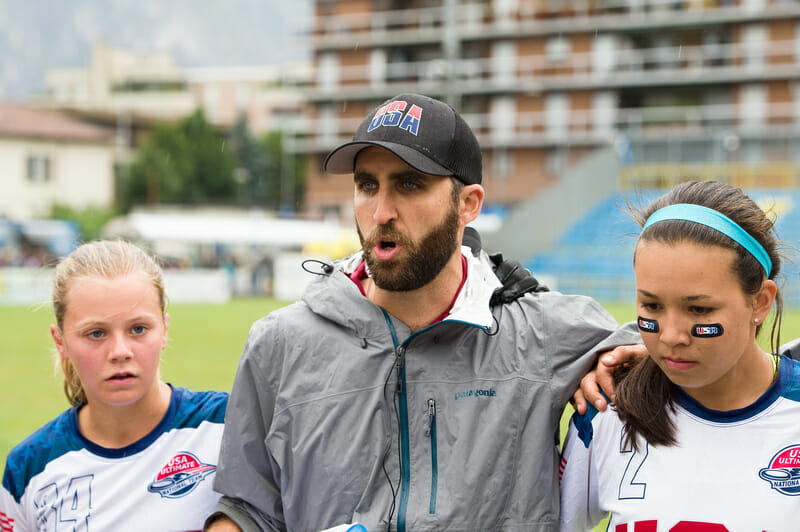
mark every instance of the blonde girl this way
{"type": "Point", "coordinates": [132, 452]}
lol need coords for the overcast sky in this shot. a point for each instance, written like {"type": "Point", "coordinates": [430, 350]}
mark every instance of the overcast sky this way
{"type": "Point", "coordinates": [36, 35]}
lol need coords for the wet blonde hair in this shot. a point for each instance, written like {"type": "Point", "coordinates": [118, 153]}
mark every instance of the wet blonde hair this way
{"type": "Point", "coordinates": [103, 258]}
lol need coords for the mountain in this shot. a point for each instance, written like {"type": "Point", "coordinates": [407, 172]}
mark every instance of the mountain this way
{"type": "Point", "coordinates": [36, 35]}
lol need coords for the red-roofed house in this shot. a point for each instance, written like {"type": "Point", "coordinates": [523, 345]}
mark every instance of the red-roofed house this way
{"type": "Point", "coordinates": [49, 157]}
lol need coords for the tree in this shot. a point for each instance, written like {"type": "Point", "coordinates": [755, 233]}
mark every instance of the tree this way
{"type": "Point", "coordinates": [268, 175]}
{"type": "Point", "coordinates": [287, 176]}
{"type": "Point", "coordinates": [90, 220]}
{"type": "Point", "coordinates": [186, 163]}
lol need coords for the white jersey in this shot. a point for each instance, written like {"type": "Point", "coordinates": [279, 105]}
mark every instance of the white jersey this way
{"type": "Point", "coordinates": [730, 471]}
{"type": "Point", "coordinates": [57, 480]}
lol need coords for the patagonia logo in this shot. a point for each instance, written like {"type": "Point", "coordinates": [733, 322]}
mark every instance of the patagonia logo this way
{"type": "Point", "coordinates": [477, 392]}
{"type": "Point", "coordinates": [707, 331]}
{"type": "Point", "coordinates": [783, 471]}
{"type": "Point", "coordinates": [647, 325]}
{"type": "Point", "coordinates": [180, 476]}
{"type": "Point", "coordinates": [394, 115]}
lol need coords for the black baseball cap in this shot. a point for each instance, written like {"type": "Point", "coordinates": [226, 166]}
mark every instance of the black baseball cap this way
{"type": "Point", "coordinates": [429, 135]}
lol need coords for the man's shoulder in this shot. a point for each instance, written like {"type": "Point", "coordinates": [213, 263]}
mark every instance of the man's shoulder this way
{"type": "Point", "coordinates": [791, 349]}
{"type": "Point", "coordinates": [557, 305]}
{"type": "Point", "coordinates": [288, 313]}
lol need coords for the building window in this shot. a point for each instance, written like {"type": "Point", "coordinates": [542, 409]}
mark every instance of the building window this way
{"type": "Point", "coordinates": [38, 168]}
{"type": "Point", "coordinates": [556, 114]}
{"type": "Point", "coordinates": [556, 161]}
{"type": "Point", "coordinates": [211, 102]}
{"type": "Point", "coordinates": [502, 163]}
{"type": "Point", "coordinates": [558, 49]}
{"type": "Point", "coordinates": [243, 96]}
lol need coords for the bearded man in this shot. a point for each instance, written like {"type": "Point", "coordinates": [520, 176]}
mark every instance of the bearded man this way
{"type": "Point", "coordinates": [394, 395]}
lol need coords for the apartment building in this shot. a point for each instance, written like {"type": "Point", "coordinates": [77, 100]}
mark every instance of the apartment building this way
{"type": "Point", "coordinates": [139, 86]}
{"type": "Point", "coordinates": [680, 88]}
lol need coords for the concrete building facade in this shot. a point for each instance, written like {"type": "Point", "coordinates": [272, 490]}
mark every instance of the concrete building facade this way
{"type": "Point", "coordinates": [680, 88]}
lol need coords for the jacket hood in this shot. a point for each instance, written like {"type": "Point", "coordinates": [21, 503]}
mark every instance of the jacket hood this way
{"type": "Point", "coordinates": [337, 298]}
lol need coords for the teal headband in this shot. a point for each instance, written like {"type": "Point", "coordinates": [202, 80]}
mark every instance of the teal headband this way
{"type": "Point", "coordinates": [715, 220]}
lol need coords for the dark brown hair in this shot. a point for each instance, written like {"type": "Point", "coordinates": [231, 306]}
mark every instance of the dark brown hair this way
{"type": "Point", "coordinates": [645, 396]}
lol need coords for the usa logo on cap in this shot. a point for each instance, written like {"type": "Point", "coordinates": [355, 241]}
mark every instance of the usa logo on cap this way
{"type": "Point", "coordinates": [391, 115]}
{"type": "Point", "coordinates": [180, 476]}
{"type": "Point", "coordinates": [783, 473]}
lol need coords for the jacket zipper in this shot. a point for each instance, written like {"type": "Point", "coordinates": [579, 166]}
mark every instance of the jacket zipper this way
{"type": "Point", "coordinates": [431, 433]}
{"type": "Point", "coordinates": [405, 455]}
{"type": "Point", "coordinates": [402, 405]}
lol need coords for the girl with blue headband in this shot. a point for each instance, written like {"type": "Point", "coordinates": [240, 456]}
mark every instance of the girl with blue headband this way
{"type": "Point", "coordinates": [703, 433]}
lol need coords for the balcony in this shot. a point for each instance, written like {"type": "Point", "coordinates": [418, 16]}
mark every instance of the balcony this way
{"type": "Point", "coordinates": [728, 123]}
{"type": "Point", "coordinates": [620, 68]}
{"type": "Point", "coordinates": [478, 21]}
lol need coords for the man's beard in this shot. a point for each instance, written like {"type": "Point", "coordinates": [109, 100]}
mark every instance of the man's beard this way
{"type": "Point", "coordinates": [424, 260]}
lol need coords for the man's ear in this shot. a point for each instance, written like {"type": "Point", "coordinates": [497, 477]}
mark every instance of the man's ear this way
{"type": "Point", "coordinates": [471, 202]}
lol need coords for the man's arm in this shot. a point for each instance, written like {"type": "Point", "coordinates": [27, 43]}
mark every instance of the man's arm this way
{"type": "Point", "coordinates": [791, 349]}
{"type": "Point", "coordinates": [221, 523]}
{"type": "Point", "coordinates": [518, 281]}
{"type": "Point", "coordinates": [245, 473]}
{"type": "Point", "coordinates": [601, 378]}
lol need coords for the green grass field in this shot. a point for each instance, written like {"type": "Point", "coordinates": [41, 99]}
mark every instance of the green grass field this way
{"type": "Point", "coordinates": [204, 347]}
{"type": "Point", "coordinates": [205, 342]}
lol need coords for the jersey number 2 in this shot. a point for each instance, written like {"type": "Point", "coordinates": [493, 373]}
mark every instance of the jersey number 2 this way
{"type": "Point", "coordinates": [628, 487]}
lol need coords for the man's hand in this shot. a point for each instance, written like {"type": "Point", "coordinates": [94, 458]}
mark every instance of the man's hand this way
{"type": "Point", "coordinates": [222, 523]}
{"type": "Point", "coordinates": [602, 377]}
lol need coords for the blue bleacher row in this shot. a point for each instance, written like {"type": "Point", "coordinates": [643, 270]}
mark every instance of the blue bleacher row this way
{"type": "Point", "coordinates": [594, 255]}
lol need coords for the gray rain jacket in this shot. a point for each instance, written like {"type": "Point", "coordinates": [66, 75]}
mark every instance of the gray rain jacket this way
{"type": "Point", "coordinates": [340, 414]}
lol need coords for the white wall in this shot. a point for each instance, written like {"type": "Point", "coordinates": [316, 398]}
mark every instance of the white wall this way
{"type": "Point", "coordinates": [31, 286]}
{"type": "Point", "coordinates": [81, 175]}
{"type": "Point", "coordinates": [289, 278]}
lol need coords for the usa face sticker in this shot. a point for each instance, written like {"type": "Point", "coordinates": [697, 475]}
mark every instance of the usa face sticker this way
{"type": "Point", "coordinates": [707, 331]}
{"type": "Point", "coordinates": [646, 325]}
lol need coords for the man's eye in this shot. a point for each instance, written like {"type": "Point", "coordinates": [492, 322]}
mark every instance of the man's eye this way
{"type": "Point", "coordinates": [410, 185]}
{"type": "Point", "coordinates": [95, 334]}
{"type": "Point", "coordinates": [138, 329]}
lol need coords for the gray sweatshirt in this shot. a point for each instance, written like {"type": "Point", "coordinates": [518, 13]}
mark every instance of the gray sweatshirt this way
{"type": "Point", "coordinates": [339, 414]}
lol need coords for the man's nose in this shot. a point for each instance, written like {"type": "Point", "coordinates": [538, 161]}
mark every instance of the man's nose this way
{"type": "Point", "coordinates": [385, 207]}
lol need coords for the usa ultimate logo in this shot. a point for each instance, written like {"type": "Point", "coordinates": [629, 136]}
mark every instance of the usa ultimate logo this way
{"type": "Point", "coordinates": [180, 476]}
{"type": "Point", "coordinates": [783, 472]}
{"type": "Point", "coordinates": [391, 115]}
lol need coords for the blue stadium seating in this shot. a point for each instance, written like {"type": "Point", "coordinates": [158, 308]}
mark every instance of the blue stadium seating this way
{"type": "Point", "coordinates": [594, 255]}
